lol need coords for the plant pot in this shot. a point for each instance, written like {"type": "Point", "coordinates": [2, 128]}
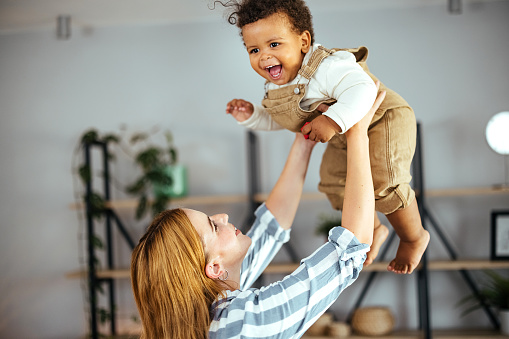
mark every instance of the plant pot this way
{"type": "Point", "coordinates": [179, 186]}
{"type": "Point", "coordinates": [504, 321]}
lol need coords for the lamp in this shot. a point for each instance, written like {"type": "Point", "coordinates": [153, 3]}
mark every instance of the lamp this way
{"type": "Point", "coordinates": [497, 136]}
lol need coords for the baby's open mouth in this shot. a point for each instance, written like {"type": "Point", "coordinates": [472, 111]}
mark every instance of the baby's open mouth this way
{"type": "Point", "coordinates": [274, 71]}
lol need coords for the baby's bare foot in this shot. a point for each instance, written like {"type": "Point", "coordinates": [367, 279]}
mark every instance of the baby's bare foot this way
{"type": "Point", "coordinates": [380, 233]}
{"type": "Point", "coordinates": [409, 254]}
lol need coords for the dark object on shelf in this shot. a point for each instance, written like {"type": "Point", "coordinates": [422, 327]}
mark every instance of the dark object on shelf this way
{"type": "Point", "coordinates": [500, 235]}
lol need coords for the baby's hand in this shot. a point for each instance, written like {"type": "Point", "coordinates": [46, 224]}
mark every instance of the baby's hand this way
{"type": "Point", "coordinates": [240, 109]}
{"type": "Point", "coordinates": [321, 129]}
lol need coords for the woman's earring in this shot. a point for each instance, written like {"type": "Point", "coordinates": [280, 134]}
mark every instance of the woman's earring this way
{"type": "Point", "coordinates": [223, 279]}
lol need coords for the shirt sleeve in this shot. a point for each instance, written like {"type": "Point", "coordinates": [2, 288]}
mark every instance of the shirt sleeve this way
{"type": "Point", "coordinates": [267, 238]}
{"type": "Point", "coordinates": [286, 309]}
{"type": "Point", "coordinates": [260, 120]}
{"type": "Point", "coordinates": [341, 78]}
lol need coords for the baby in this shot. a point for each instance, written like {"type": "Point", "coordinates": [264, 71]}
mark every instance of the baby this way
{"type": "Point", "coordinates": [323, 92]}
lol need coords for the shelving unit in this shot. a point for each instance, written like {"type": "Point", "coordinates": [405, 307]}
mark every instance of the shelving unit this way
{"type": "Point", "coordinates": [253, 199]}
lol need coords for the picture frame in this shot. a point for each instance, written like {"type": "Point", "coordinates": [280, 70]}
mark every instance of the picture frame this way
{"type": "Point", "coordinates": [500, 235]}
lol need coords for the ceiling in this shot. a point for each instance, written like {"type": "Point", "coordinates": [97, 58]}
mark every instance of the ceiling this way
{"type": "Point", "coordinates": [26, 15]}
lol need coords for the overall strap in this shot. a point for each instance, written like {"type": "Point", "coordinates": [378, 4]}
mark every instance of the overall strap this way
{"type": "Point", "coordinates": [314, 61]}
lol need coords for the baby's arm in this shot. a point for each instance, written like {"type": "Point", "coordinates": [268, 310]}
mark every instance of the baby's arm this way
{"type": "Point", "coordinates": [252, 117]}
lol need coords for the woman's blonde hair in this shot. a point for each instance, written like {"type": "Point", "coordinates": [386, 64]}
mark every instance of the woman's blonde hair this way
{"type": "Point", "coordinates": [172, 292]}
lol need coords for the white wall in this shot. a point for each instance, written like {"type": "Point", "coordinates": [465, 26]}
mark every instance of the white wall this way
{"type": "Point", "coordinates": [451, 68]}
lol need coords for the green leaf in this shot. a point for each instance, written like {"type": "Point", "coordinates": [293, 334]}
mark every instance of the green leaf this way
{"type": "Point", "coordinates": [149, 158]}
{"type": "Point", "coordinates": [97, 205]}
{"type": "Point", "coordinates": [494, 292]}
{"type": "Point", "coordinates": [138, 137]}
{"type": "Point", "coordinates": [89, 137]}
{"type": "Point", "coordinates": [169, 137]}
{"type": "Point", "coordinates": [111, 138]}
{"type": "Point", "coordinates": [85, 174]}
{"type": "Point", "coordinates": [97, 263]}
{"type": "Point", "coordinates": [104, 315]}
{"type": "Point", "coordinates": [160, 204]}
{"type": "Point", "coordinates": [327, 222]}
{"type": "Point", "coordinates": [137, 187]}
{"type": "Point", "coordinates": [142, 207]}
{"type": "Point", "coordinates": [111, 157]}
{"type": "Point", "coordinates": [159, 176]}
{"type": "Point", "coordinates": [173, 156]}
{"type": "Point", "coordinates": [97, 242]}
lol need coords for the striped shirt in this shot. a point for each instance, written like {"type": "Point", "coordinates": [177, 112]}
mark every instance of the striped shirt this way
{"type": "Point", "coordinates": [287, 308]}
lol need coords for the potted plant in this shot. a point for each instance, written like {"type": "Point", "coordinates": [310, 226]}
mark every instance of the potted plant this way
{"type": "Point", "coordinates": [494, 292]}
{"type": "Point", "coordinates": [327, 222]}
{"type": "Point", "coordinates": [162, 177]}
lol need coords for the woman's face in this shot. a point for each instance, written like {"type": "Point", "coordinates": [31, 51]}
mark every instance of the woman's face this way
{"type": "Point", "coordinates": [220, 238]}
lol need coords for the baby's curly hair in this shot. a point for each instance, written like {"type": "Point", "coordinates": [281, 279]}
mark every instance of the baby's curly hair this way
{"type": "Point", "coordinates": [244, 12]}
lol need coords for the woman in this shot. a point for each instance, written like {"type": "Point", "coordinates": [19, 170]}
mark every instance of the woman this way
{"type": "Point", "coordinates": [191, 272]}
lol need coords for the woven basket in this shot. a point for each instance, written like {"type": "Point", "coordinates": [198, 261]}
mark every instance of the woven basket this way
{"type": "Point", "coordinates": [372, 321]}
{"type": "Point", "coordinates": [339, 330]}
{"type": "Point", "coordinates": [320, 327]}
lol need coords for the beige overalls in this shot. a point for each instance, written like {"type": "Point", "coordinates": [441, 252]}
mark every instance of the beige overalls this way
{"type": "Point", "coordinates": [392, 137]}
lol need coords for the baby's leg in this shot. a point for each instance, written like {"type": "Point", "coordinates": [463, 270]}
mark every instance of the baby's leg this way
{"type": "Point", "coordinates": [413, 239]}
{"type": "Point", "coordinates": [392, 146]}
{"type": "Point", "coordinates": [380, 233]}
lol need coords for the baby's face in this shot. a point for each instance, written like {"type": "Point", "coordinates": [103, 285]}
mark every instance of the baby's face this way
{"type": "Point", "coordinates": [275, 50]}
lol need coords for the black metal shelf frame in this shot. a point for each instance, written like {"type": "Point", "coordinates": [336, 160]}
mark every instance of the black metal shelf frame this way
{"type": "Point", "coordinates": [110, 219]}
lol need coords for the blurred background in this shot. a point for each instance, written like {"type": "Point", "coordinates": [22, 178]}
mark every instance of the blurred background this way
{"type": "Point", "coordinates": [173, 65]}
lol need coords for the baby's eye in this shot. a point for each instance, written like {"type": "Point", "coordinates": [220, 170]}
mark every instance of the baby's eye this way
{"type": "Point", "coordinates": [274, 44]}
{"type": "Point", "coordinates": [254, 51]}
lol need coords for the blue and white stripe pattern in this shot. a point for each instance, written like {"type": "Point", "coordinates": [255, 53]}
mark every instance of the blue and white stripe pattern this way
{"type": "Point", "coordinates": [287, 308]}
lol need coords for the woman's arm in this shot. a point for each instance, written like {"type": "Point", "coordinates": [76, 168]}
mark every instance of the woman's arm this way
{"type": "Point", "coordinates": [359, 204]}
{"type": "Point", "coordinates": [284, 198]}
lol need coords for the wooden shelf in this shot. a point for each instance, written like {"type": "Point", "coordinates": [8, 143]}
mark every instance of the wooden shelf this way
{"type": "Point", "coordinates": [306, 196]}
{"type": "Point", "coordinates": [450, 192]}
{"type": "Point", "coordinates": [440, 265]}
{"type": "Point", "coordinates": [381, 266]}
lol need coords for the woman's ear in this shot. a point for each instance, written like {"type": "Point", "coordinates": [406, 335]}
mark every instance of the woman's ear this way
{"type": "Point", "coordinates": [305, 38]}
{"type": "Point", "coordinates": [214, 269]}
